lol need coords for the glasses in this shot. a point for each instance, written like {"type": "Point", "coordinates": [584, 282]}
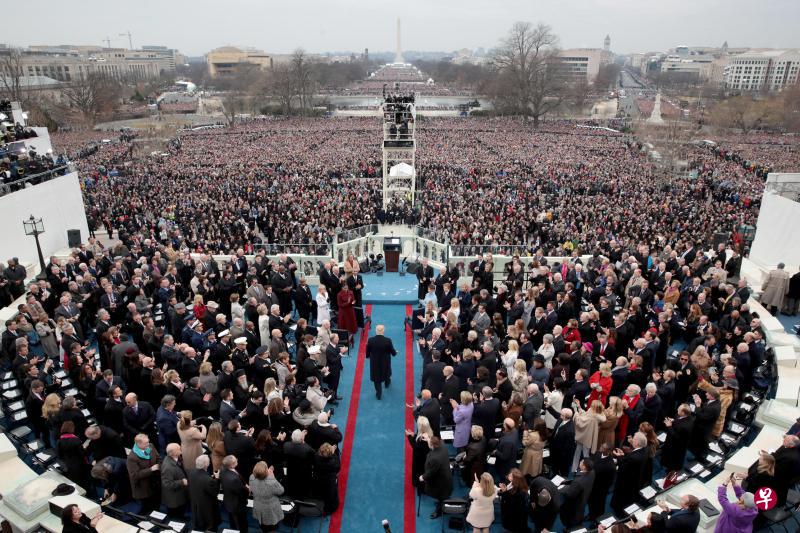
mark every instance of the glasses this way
{"type": "Point", "coordinates": [684, 358]}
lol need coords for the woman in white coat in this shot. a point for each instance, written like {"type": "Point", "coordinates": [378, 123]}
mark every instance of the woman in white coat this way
{"type": "Point", "coordinates": [263, 324]}
{"type": "Point", "coordinates": [481, 510]}
{"type": "Point", "coordinates": [323, 305]}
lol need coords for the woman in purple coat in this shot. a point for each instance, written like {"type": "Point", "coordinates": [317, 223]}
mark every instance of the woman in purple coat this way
{"type": "Point", "coordinates": [462, 415]}
{"type": "Point", "coordinates": [736, 517]}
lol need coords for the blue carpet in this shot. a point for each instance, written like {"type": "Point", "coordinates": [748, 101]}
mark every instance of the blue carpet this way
{"type": "Point", "coordinates": [390, 287]}
{"type": "Point", "coordinates": [376, 483]}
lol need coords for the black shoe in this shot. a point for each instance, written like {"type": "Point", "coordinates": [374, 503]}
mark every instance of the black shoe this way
{"type": "Point", "coordinates": [338, 398]}
{"type": "Point", "coordinates": [333, 402]}
{"type": "Point", "coordinates": [332, 412]}
{"type": "Point", "coordinates": [387, 384]}
{"type": "Point", "coordinates": [378, 395]}
{"type": "Point", "coordinates": [436, 514]}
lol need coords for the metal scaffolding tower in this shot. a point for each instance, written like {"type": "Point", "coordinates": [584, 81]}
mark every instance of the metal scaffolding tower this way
{"type": "Point", "coordinates": [399, 148]}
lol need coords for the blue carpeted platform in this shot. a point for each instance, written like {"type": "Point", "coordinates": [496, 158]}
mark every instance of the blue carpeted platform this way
{"type": "Point", "coordinates": [389, 288]}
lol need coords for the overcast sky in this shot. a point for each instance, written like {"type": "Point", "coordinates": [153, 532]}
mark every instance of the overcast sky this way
{"type": "Point", "coordinates": [197, 26]}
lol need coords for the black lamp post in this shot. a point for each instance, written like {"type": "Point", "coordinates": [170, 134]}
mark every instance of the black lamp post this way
{"type": "Point", "coordinates": [35, 227]}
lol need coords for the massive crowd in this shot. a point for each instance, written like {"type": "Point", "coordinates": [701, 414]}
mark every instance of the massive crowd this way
{"type": "Point", "coordinates": [485, 182]}
{"type": "Point", "coordinates": [179, 358]}
{"type": "Point", "coordinates": [169, 352]}
{"type": "Point", "coordinates": [220, 377]}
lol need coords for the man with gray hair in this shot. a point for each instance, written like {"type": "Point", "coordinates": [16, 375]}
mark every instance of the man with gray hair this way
{"type": "Point", "coordinates": [234, 493]}
{"type": "Point", "coordinates": [562, 444]}
{"type": "Point", "coordinates": [532, 408]}
{"type": "Point", "coordinates": [630, 468]}
{"type": "Point", "coordinates": [203, 490]}
{"type": "Point", "coordinates": [174, 492]}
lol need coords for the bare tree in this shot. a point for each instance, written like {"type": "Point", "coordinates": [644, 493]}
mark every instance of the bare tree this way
{"type": "Point", "coordinates": [304, 82]}
{"type": "Point", "coordinates": [578, 93]}
{"type": "Point", "coordinates": [282, 87]}
{"type": "Point", "coordinates": [529, 80]}
{"type": "Point", "coordinates": [742, 112]}
{"type": "Point", "coordinates": [12, 74]}
{"type": "Point", "coordinates": [93, 95]}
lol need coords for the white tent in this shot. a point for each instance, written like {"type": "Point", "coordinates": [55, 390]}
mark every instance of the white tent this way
{"type": "Point", "coordinates": [401, 170]}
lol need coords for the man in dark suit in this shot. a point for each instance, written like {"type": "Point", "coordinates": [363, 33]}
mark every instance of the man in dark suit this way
{"type": "Point", "coordinates": [380, 351]}
{"type": "Point", "coordinates": [321, 431]}
{"type": "Point", "coordinates": [428, 407]}
{"type": "Point", "coordinates": [451, 390]}
{"type": "Point", "coordinates": [234, 492]}
{"type": "Point", "coordinates": [683, 520]}
{"type": "Point", "coordinates": [227, 411]}
{"type": "Point", "coordinates": [487, 413]}
{"type": "Point", "coordinates": [137, 417]}
{"type": "Point", "coordinates": [203, 491]}
{"type": "Point", "coordinates": [433, 375]}
{"type": "Point", "coordinates": [576, 495]}
{"type": "Point", "coordinates": [104, 442]}
{"type": "Point", "coordinates": [705, 418]}
{"type": "Point", "coordinates": [679, 431]}
{"type": "Point", "coordinates": [299, 456]}
{"type": "Point", "coordinates": [241, 444]}
{"type": "Point", "coordinates": [605, 470]}
{"type": "Point", "coordinates": [424, 278]}
{"type": "Point", "coordinates": [562, 443]}
{"type": "Point", "coordinates": [507, 449]}
{"type": "Point", "coordinates": [303, 300]}
{"type": "Point", "coordinates": [629, 474]}
{"type": "Point", "coordinates": [33, 408]}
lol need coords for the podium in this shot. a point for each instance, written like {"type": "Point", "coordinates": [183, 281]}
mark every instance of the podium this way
{"type": "Point", "coordinates": [391, 252]}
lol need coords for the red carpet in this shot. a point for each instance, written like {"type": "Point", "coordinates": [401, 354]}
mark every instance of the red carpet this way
{"type": "Point", "coordinates": [350, 429]}
{"type": "Point", "coordinates": [409, 518]}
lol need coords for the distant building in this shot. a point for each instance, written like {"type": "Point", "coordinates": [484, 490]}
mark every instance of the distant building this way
{"type": "Point", "coordinates": [762, 70]}
{"type": "Point", "coordinates": [224, 61]}
{"type": "Point", "coordinates": [70, 63]}
{"type": "Point", "coordinates": [607, 43]}
{"type": "Point", "coordinates": [583, 62]}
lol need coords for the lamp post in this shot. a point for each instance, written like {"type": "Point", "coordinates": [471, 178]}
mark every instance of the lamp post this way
{"type": "Point", "coordinates": [35, 227]}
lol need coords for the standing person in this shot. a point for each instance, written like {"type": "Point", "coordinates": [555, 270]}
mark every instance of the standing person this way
{"type": "Point", "coordinates": [70, 452]}
{"type": "Point", "coordinates": [545, 502]}
{"type": "Point", "coordinates": [380, 351]}
{"type": "Point", "coordinates": [323, 305]}
{"type": "Point", "coordinates": [586, 430]}
{"type": "Point", "coordinates": [326, 477]}
{"type": "Point", "coordinates": [605, 470]}
{"type": "Point", "coordinates": [266, 504]}
{"type": "Point", "coordinates": [513, 502]}
{"type": "Point", "coordinates": [705, 417]}
{"type": "Point", "coordinates": [774, 289]}
{"type": "Point", "coordinates": [234, 493]}
{"type": "Point", "coordinates": [420, 449]}
{"type": "Point", "coordinates": [462, 416]}
{"type": "Point", "coordinates": [792, 299]}
{"type": "Point", "coordinates": [438, 478]}
{"type": "Point", "coordinates": [679, 431]}
{"type": "Point", "coordinates": [629, 474]}
{"type": "Point", "coordinates": [481, 511]}
{"type": "Point", "coordinates": [424, 279]}
{"type": "Point", "coordinates": [347, 314]}
{"type": "Point", "coordinates": [143, 470]}
{"type": "Point", "coordinates": [174, 485]}
{"type": "Point", "coordinates": [191, 437]}
{"type": "Point", "coordinates": [738, 516]}
{"type": "Point", "coordinates": [203, 490]}
{"type": "Point", "coordinates": [576, 495]}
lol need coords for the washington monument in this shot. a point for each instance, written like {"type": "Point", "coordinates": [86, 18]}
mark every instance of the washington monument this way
{"type": "Point", "coordinates": [398, 58]}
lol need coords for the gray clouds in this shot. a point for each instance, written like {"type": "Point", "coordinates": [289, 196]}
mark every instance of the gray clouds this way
{"type": "Point", "coordinates": [195, 27]}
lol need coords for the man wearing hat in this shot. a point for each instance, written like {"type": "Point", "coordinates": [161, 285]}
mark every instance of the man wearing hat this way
{"type": "Point", "coordinates": [222, 349]}
{"type": "Point", "coordinates": [241, 359]}
{"type": "Point", "coordinates": [210, 318]}
{"type": "Point", "coordinates": [196, 337]}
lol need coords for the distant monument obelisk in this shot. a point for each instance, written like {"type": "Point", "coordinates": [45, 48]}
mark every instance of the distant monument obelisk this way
{"type": "Point", "coordinates": [655, 116]}
{"type": "Point", "coordinates": [398, 57]}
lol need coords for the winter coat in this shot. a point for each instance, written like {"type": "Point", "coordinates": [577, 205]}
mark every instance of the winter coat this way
{"type": "Point", "coordinates": [266, 504]}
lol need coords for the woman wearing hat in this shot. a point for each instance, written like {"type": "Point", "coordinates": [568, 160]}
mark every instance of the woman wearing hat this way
{"type": "Point", "coordinates": [738, 516]}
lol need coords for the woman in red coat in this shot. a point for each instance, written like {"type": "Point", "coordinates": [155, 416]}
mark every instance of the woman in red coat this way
{"type": "Point", "coordinates": [347, 315]}
{"type": "Point", "coordinates": [600, 384]}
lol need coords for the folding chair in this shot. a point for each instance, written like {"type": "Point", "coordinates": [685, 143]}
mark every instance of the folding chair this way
{"type": "Point", "coordinates": [455, 509]}
{"type": "Point", "coordinates": [310, 509]}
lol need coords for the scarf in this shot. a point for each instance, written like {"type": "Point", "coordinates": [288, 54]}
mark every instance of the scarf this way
{"type": "Point", "coordinates": [622, 426]}
{"type": "Point", "coordinates": [142, 454]}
